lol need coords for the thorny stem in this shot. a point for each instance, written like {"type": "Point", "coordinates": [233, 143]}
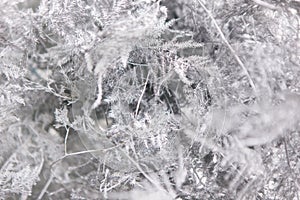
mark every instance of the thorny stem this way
{"type": "Point", "coordinates": [229, 46]}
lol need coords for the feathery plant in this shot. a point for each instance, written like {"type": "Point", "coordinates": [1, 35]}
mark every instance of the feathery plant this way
{"type": "Point", "coordinates": [149, 99]}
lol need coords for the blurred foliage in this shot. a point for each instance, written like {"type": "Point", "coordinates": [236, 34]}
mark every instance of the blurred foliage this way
{"type": "Point", "coordinates": [147, 99]}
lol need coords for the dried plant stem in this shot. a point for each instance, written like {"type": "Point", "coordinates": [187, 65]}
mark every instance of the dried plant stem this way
{"type": "Point", "coordinates": [265, 4]}
{"type": "Point", "coordinates": [141, 97]}
{"type": "Point", "coordinates": [228, 45]}
{"type": "Point", "coordinates": [45, 187]}
{"type": "Point", "coordinates": [83, 152]}
{"type": "Point", "coordinates": [66, 140]}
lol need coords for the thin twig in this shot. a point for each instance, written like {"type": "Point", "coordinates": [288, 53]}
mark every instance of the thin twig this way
{"type": "Point", "coordinates": [228, 45]}
{"type": "Point", "coordinates": [47, 89]}
{"type": "Point", "coordinates": [266, 4]}
{"type": "Point", "coordinates": [119, 183]}
{"type": "Point", "coordinates": [66, 139]}
{"type": "Point", "coordinates": [287, 154]}
{"type": "Point", "coordinates": [143, 92]}
{"type": "Point", "coordinates": [138, 64]}
{"type": "Point", "coordinates": [82, 152]}
{"type": "Point", "coordinates": [45, 187]}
